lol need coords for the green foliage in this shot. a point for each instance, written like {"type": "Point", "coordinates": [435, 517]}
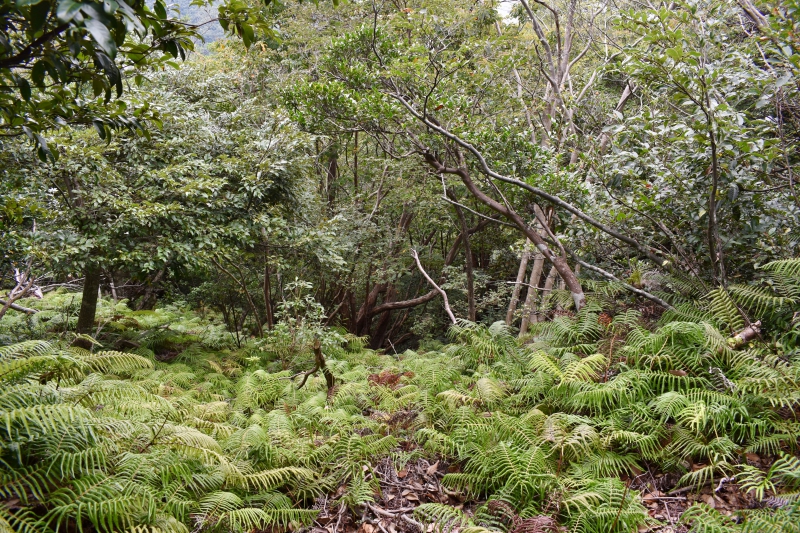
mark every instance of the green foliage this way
{"type": "Point", "coordinates": [115, 440]}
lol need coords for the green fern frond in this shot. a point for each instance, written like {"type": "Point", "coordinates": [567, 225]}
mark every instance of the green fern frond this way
{"type": "Point", "coordinates": [703, 519]}
{"type": "Point", "coordinates": [786, 267]}
{"type": "Point", "coordinates": [726, 312]}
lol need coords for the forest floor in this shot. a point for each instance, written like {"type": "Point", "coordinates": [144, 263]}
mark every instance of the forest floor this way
{"type": "Point", "coordinates": [596, 424]}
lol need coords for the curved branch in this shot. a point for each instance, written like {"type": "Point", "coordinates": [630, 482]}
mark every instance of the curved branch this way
{"type": "Point", "coordinates": [609, 275]}
{"type": "Point", "coordinates": [487, 170]}
{"type": "Point", "coordinates": [435, 286]}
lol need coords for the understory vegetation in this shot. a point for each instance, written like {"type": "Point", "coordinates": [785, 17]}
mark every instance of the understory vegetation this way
{"type": "Point", "coordinates": [167, 425]}
{"type": "Point", "coordinates": [400, 266]}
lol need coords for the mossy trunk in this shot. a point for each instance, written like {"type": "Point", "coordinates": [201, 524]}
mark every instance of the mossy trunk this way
{"type": "Point", "coordinates": [91, 287]}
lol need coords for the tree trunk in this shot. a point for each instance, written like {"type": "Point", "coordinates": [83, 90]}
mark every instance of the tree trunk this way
{"type": "Point", "coordinates": [528, 312]}
{"type": "Point", "coordinates": [91, 286]}
{"type": "Point", "coordinates": [267, 289]}
{"type": "Point", "coordinates": [149, 298]}
{"type": "Point", "coordinates": [523, 268]}
{"type": "Point", "coordinates": [267, 297]}
{"type": "Point", "coordinates": [548, 285]}
{"type": "Point", "coordinates": [467, 260]}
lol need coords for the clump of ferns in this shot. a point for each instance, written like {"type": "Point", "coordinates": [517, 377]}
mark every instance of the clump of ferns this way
{"type": "Point", "coordinates": [102, 452]}
{"type": "Point", "coordinates": [527, 477]}
{"type": "Point", "coordinates": [578, 334]}
{"type": "Point", "coordinates": [477, 344]}
{"type": "Point", "coordinates": [701, 518]}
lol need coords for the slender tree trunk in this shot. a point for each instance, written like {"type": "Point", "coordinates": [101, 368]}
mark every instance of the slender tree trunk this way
{"type": "Point", "coordinates": [330, 180]}
{"type": "Point", "coordinates": [435, 286]}
{"type": "Point", "coordinates": [268, 296]}
{"type": "Point", "coordinates": [112, 286]}
{"type": "Point", "coordinates": [467, 260]}
{"type": "Point", "coordinates": [548, 286]}
{"type": "Point", "coordinates": [523, 268]}
{"type": "Point", "coordinates": [529, 310]}
{"type": "Point", "coordinates": [355, 164]}
{"type": "Point", "coordinates": [267, 288]}
{"type": "Point", "coordinates": [91, 286]}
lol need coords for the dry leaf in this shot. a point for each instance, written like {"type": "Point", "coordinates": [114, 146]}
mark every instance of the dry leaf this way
{"type": "Point", "coordinates": [403, 473]}
{"type": "Point", "coordinates": [432, 469]}
{"type": "Point", "coordinates": [709, 499]}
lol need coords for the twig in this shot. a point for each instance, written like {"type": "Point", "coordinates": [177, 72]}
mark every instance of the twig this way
{"type": "Point", "coordinates": [405, 518]}
{"type": "Point", "coordinates": [621, 505]}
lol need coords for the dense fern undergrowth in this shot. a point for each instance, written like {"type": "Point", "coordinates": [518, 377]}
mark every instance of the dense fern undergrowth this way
{"type": "Point", "coordinates": [168, 425]}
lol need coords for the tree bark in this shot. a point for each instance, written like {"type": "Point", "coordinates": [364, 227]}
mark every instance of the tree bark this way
{"type": "Point", "coordinates": [91, 286]}
{"type": "Point", "coordinates": [529, 310]}
{"type": "Point", "coordinates": [25, 282]}
{"type": "Point", "coordinates": [148, 300]}
{"type": "Point", "coordinates": [523, 268]}
{"type": "Point", "coordinates": [268, 296]}
{"type": "Point", "coordinates": [10, 305]}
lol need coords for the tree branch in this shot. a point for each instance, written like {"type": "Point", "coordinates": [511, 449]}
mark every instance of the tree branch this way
{"type": "Point", "coordinates": [435, 286]}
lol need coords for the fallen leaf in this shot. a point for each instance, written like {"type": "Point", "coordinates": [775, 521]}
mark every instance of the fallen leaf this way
{"type": "Point", "coordinates": [412, 497]}
{"type": "Point", "coordinates": [679, 373]}
{"type": "Point", "coordinates": [709, 499]}
{"type": "Point", "coordinates": [403, 473]}
{"type": "Point", "coordinates": [432, 469]}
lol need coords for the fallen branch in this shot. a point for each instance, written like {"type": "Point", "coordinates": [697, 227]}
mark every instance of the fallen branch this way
{"type": "Point", "coordinates": [16, 307]}
{"type": "Point", "coordinates": [435, 286]}
{"type": "Point", "coordinates": [746, 335]}
{"type": "Point", "coordinates": [387, 514]}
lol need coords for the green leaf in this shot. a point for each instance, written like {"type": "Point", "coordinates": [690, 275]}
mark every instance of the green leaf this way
{"type": "Point", "coordinates": [101, 36]}
{"type": "Point", "coordinates": [674, 53]}
{"type": "Point", "coordinates": [38, 15]}
{"type": "Point", "coordinates": [25, 3]}
{"type": "Point", "coordinates": [248, 35]}
{"type": "Point", "coordinates": [100, 127]}
{"type": "Point", "coordinates": [161, 11]}
{"type": "Point", "coordinates": [38, 72]}
{"type": "Point", "coordinates": [24, 89]}
{"type": "Point", "coordinates": [67, 9]}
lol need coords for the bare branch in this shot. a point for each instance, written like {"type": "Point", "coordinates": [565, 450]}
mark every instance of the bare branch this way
{"type": "Point", "coordinates": [435, 286]}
